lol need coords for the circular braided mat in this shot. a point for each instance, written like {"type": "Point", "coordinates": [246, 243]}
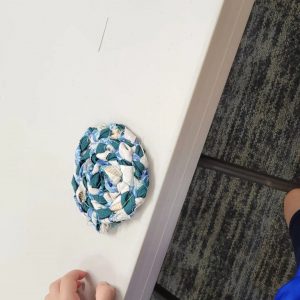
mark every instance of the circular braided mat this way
{"type": "Point", "coordinates": [111, 178]}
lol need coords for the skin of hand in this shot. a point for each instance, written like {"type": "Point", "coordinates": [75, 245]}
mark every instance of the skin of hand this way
{"type": "Point", "coordinates": [291, 289]}
{"type": "Point", "coordinates": [291, 204]}
{"type": "Point", "coordinates": [65, 288]}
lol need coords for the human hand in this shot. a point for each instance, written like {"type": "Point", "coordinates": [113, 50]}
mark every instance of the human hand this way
{"type": "Point", "coordinates": [66, 288]}
{"type": "Point", "coordinates": [104, 291]}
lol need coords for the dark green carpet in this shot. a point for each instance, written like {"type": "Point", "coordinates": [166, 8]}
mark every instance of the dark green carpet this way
{"type": "Point", "coordinates": [231, 241]}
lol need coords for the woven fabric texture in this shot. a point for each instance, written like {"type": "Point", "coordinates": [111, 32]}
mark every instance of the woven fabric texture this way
{"type": "Point", "coordinates": [111, 178]}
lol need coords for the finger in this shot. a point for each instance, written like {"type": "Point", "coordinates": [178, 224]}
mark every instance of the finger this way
{"type": "Point", "coordinates": [68, 283]}
{"type": "Point", "coordinates": [54, 287]}
{"type": "Point", "coordinates": [47, 297]}
{"type": "Point", "coordinates": [80, 284]}
{"type": "Point", "coordinates": [104, 291]}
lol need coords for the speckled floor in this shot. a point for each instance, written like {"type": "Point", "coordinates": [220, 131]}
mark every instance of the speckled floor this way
{"type": "Point", "coordinates": [231, 241]}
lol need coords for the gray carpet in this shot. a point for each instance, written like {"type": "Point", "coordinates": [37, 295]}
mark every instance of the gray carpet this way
{"type": "Point", "coordinates": [231, 241]}
{"type": "Point", "coordinates": [257, 124]}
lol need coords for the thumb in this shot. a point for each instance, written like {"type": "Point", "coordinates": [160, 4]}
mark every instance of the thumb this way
{"type": "Point", "coordinates": [104, 291]}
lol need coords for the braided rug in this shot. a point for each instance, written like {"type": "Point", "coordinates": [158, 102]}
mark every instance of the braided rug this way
{"type": "Point", "coordinates": [111, 178]}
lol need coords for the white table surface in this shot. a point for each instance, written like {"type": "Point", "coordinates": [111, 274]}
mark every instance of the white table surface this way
{"type": "Point", "coordinates": [54, 83]}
